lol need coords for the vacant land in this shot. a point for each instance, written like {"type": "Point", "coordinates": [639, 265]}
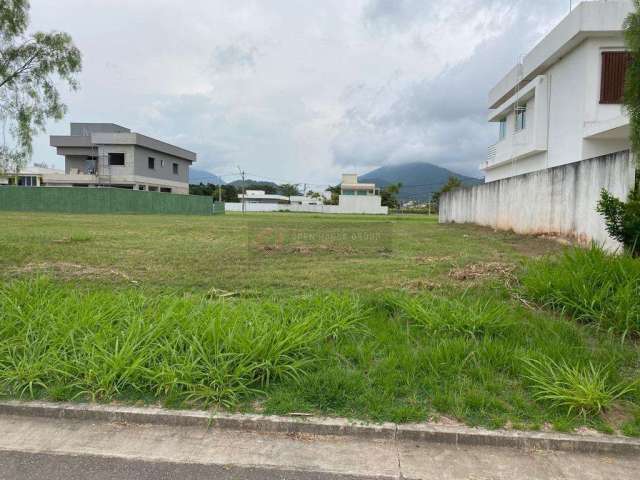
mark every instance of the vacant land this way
{"type": "Point", "coordinates": [259, 254]}
{"type": "Point", "coordinates": [387, 318]}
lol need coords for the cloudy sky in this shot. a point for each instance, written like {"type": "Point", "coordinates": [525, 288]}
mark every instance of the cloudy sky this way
{"type": "Point", "coordinates": [297, 90]}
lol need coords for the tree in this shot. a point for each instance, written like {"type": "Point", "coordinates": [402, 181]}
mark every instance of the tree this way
{"type": "Point", "coordinates": [452, 183]}
{"type": "Point", "coordinates": [31, 67]}
{"type": "Point", "coordinates": [632, 84]}
{"type": "Point", "coordinates": [335, 195]}
{"type": "Point", "coordinates": [229, 192]}
{"type": "Point", "coordinates": [622, 219]}
{"type": "Point", "coordinates": [289, 190]}
{"type": "Point", "coordinates": [389, 195]}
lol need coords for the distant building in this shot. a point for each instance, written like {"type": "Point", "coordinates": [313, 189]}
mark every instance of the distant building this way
{"type": "Point", "coordinates": [105, 154]}
{"type": "Point", "coordinates": [306, 200]}
{"type": "Point", "coordinates": [260, 196]}
{"type": "Point", "coordinates": [354, 198]}
{"type": "Point", "coordinates": [31, 177]}
{"type": "Point", "coordinates": [359, 197]}
{"type": "Point", "coordinates": [563, 103]}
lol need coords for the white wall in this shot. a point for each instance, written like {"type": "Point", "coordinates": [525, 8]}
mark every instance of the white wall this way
{"type": "Point", "coordinates": [559, 201]}
{"type": "Point", "coordinates": [273, 207]}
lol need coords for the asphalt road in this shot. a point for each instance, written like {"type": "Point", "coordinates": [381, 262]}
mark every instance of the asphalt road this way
{"type": "Point", "coordinates": [38, 466]}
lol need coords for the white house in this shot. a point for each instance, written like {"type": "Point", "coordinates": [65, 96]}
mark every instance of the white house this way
{"type": "Point", "coordinates": [359, 197]}
{"type": "Point", "coordinates": [260, 196]}
{"type": "Point", "coordinates": [562, 103]}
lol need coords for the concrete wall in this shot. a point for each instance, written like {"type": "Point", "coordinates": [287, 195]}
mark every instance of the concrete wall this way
{"type": "Point", "coordinates": [141, 165]}
{"type": "Point", "coordinates": [559, 201]}
{"type": "Point", "coordinates": [273, 207]}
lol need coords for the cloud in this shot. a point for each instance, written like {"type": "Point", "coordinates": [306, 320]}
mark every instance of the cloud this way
{"type": "Point", "coordinates": [439, 119]}
{"type": "Point", "coordinates": [297, 90]}
{"type": "Point", "coordinates": [234, 57]}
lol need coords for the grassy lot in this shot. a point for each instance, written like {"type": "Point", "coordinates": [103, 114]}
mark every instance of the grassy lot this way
{"type": "Point", "coordinates": [234, 253]}
{"type": "Point", "coordinates": [390, 318]}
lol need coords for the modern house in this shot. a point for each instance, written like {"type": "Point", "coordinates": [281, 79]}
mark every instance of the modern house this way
{"type": "Point", "coordinates": [562, 103]}
{"type": "Point", "coordinates": [563, 134]}
{"type": "Point", "coordinates": [106, 154]}
{"type": "Point", "coordinates": [359, 197]}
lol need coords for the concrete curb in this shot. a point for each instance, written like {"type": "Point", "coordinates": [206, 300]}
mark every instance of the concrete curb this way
{"type": "Point", "coordinates": [324, 426]}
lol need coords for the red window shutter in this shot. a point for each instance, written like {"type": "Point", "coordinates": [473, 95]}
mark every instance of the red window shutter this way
{"type": "Point", "coordinates": [614, 71]}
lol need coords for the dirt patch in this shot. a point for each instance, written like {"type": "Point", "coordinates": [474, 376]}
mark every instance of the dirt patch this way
{"type": "Point", "coordinates": [68, 270]}
{"type": "Point", "coordinates": [305, 250]}
{"type": "Point", "coordinates": [477, 271]}
{"type": "Point", "coordinates": [420, 285]}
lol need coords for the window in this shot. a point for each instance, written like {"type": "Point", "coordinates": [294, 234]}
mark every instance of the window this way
{"type": "Point", "coordinates": [140, 187]}
{"type": "Point", "coordinates": [28, 181]}
{"type": "Point", "coordinates": [175, 169]}
{"type": "Point", "coordinates": [152, 163]}
{"type": "Point", "coordinates": [502, 132]}
{"type": "Point", "coordinates": [116, 159]}
{"type": "Point", "coordinates": [614, 71]}
{"type": "Point", "coordinates": [162, 162]}
{"type": "Point", "coordinates": [153, 189]}
{"type": "Point", "coordinates": [165, 189]}
{"type": "Point", "coordinates": [521, 118]}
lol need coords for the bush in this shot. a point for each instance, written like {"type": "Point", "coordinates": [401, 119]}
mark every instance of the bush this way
{"type": "Point", "coordinates": [622, 219]}
{"type": "Point", "coordinates": [591, 286]}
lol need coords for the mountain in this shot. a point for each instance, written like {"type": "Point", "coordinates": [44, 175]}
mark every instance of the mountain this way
{"type": "Point", "coordinates": [419, 179]}
{"type": "Point", "coordinates": [202, 176]}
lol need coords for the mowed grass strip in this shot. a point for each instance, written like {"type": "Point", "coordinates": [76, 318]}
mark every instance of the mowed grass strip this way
{"type": "Point", "coordinates": [393, 356]}
{"type": "Point", "coordinates": [257, 254]}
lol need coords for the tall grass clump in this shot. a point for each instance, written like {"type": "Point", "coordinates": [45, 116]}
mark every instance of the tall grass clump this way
{"type": "Point", "coordinates": [60, 343]}
{"type": "Point", "coordinates": [590, 285]}
{"type": "Point", "coordinates": [443, 316]}
{"type": "Point", "coordinates": [582, 390]}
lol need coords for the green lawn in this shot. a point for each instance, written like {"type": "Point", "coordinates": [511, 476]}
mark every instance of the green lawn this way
{"type": "Point", "coordinates": [233, 252]}
{"type": "Point", "coordinates": [378, 318]}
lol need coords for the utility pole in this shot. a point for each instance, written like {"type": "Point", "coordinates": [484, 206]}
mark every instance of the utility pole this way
{"type": "Point", "coordinates": [219, 189]}
{"type": "Point", "coordinates": [244, 192]}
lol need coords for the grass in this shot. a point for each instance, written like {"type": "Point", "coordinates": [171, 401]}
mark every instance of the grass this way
{"type": "Point", "coordinates": [590, 286]}
{"type": "Point", "coordinates": [231, 252]}
{"type": "Point", "coordinates": [63, 344]}
{"type": "Point", "coordinates": [378, 318]}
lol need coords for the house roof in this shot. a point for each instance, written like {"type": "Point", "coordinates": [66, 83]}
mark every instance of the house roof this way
{"type": "Point", "coordinates": [110, 137]}
{"type": "Point", "coordinates": [588, 19]}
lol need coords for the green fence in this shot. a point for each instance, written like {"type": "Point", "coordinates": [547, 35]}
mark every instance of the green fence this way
{"type": "Point", "coordinates": [101, 200]}
{"type": "Point", "coordinates": [218, 208]}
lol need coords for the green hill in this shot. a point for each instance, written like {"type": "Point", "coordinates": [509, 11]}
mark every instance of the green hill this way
{"type": "Point", "coordinates": [419, 179]}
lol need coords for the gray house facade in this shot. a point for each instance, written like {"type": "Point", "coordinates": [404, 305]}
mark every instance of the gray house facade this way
{"type": "Point", "coordinates": [106, 154]}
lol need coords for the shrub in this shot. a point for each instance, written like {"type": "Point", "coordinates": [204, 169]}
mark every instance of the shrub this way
{"type": "Point", "coordinates": [590, 285]}
{"type": "Point", "coordinates": [622, 219]}
{"type": "Point", "coordinates": [578, 390]}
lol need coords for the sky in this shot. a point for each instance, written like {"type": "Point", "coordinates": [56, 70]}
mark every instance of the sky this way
{"type": "Point", "coordinates": [297, 91]}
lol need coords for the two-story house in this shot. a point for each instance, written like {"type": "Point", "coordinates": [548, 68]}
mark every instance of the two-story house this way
{"type": "Point", "coordinates": [106, 154]}
{"type": "Point", "coordinates": [563, 102]}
